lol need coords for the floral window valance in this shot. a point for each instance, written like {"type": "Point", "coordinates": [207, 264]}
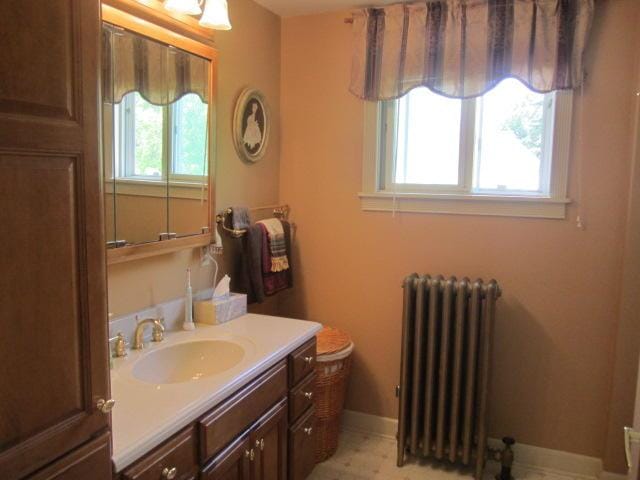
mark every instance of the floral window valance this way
{"type": "Point", "coordinates": [160, 73]}
{"type": "Point", "coordinates": [463, 48]}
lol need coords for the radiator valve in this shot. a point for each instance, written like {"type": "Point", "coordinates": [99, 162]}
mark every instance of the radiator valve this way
{"type": "Point", "coordinates": [506, 459]}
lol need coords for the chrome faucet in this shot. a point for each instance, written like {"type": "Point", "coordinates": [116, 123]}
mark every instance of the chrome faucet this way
{"type": "Point", "coordinates": [157, 335]}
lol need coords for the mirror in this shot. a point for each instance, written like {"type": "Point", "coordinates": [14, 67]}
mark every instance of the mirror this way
{"type": "Point", "coordinates": [156, 139]}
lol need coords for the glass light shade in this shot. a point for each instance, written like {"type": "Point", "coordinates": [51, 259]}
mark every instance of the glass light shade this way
{"type": "Point", "coordinates": [190, 7]}
{"type": "Point", "coordinates": [216, 15]}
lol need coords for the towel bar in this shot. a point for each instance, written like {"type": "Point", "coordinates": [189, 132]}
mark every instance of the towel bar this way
{"type": "Point", "coordinates": [279, 211]}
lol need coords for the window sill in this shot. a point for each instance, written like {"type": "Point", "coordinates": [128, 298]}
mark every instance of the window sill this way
{"type": "Point", "coordinates": [156, 188]}
{"type": "Point", "coordinates": [488, 205]}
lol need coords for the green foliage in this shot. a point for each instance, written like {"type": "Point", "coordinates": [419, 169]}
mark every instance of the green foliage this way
{"type": "Point", "coordinates": [526, 122]}
{"type": "Point", "coordinates": [148, 137]}
{"type": "Point", "coordinates": [190, 136]}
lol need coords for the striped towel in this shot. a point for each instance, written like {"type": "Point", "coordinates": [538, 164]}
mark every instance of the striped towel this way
{"type": "Point", "coordinates": [277, 244]}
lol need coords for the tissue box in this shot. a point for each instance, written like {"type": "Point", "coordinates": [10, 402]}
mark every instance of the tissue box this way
{"type": "Point", "coordinates": [217, 311]}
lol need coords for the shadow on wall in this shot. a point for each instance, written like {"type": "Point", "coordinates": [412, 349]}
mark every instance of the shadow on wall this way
{"type": "Point", "coordinates": [293, 303]}
{"type": "Point", "coordinates": [519, 336]}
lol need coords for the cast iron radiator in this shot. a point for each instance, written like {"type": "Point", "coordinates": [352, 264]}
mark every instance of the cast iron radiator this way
{"type": "Point", "coordinates": [445, 367]}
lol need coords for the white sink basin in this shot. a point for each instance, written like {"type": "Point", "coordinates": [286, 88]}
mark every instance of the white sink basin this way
{"type": "Point", "coordinates": [188, 361]}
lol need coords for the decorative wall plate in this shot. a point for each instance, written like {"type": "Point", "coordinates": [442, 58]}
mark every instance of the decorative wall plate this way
{"type": "Point", "coordinates": [251, 125]}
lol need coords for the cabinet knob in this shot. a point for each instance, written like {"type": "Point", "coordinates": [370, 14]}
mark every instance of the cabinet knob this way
{"type": "Point", "coordinates": [308, 430]}
{"type": "Point", "coordinates": [308, 360]}
{"type": "Point", "coordinates": [250, 454]}
{"type": "Point", "coordinates": [105, 406]}
{"type": "Point", "coordinates": [169, 473]}
{"type": "Point", "coordinates": [308, 395]}
{"type": "Point", "coordinates": [260, 444]}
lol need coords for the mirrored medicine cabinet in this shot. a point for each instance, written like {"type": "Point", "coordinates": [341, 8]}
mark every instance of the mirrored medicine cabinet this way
{"type": "Point", "coordinates": [158, 123]}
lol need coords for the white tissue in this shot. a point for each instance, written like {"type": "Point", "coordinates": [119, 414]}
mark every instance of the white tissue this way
{"type": "Point", "coordinates": [222, 289]}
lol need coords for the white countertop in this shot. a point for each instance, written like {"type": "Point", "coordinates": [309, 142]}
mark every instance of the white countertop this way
{"type": "Point", "coordinates": [146, 414]}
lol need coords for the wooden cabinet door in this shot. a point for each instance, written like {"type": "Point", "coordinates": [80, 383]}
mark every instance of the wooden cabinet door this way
{"type": "Point", "coordinates": [54, 354]}
{"type": "Point", "coordinates": [270, 444]}
{"type": "Point", "coordinates": [302, 447]}
{"type": "Point", "coordinates": [233, 463]}
{"type": "Point", "coordinates": [91, 461]}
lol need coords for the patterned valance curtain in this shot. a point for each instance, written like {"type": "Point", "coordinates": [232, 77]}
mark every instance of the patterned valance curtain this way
{"type": "Point", "coordinates": [160, 73]}
{"type": "Point", "coordinates": [463, 48]}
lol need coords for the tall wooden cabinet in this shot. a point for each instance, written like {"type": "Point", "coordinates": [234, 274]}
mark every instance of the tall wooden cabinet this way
{"type": "Point", "coordinates": [53, 330]}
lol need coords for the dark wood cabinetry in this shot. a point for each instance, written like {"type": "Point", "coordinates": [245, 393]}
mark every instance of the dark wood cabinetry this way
{"type": "Point", "coordinates": [260, 453]}
{"type": "Point", "coordinates": [302, 434]}
{"type": "Point", "coordinates": [251, 435]}
{"type": "Point", "coordinates": [176, 459]}
{"type": "Point", "coordinates": [302, 438]}
{"type": "Point", "coordinates": [53, 361]}
{"type": "Point", "coordinates": [269, 441]}
{"type": "Point", "coordinates": [302, 362]}
{"type": "Point", "coordinates": [301, 397]}
{"type": "Point", "coordinates": [237, 413]}
{"type": "Point", "coordinates": [233, 463]}
{"type": "Point", "coordinates": [91, 461]}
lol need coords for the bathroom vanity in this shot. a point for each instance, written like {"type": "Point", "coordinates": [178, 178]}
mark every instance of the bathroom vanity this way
{"type": "Point", "coordinates": [232, 401]}
{"type": "Point", "coordinates": [244, 410]}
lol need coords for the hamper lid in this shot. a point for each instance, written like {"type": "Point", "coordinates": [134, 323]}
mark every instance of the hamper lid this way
{"type": "Point", "coordinates": [331, 340]}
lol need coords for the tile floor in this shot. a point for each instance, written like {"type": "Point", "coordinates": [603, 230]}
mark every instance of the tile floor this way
{"type": "Point", "coordinates": [364, 456]}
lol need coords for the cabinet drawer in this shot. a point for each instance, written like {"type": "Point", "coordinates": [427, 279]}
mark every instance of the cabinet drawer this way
{"type": "Point", "coordinates": [302, 447]}
{"type": "Point", "coordinates": [232, 417]}
{"type": "Point", "coordinates": [301, 397]}
{"type": "Point", "coordinates": [179, 452]}
{"type": "Point", "coordinates": [302, 362]}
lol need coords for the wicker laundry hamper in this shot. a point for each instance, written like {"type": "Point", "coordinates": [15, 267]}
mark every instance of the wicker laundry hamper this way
{"type": "Point", "coordinates": [333, 364]}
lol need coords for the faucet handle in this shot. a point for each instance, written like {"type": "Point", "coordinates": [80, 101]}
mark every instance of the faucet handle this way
{"type": "Point", "coordinates": [120, 345]}
{"type": "Point", "coordinates": [157, 333]}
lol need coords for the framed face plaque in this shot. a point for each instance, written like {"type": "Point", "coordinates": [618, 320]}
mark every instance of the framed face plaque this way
{"type": "Point", "coordinates": [251, 125]}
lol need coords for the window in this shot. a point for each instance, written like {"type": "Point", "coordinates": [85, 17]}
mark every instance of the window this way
{"type": "Point", "coordinates": [161, 142]}
{"type": "Point", "coordinates": [504, 153]}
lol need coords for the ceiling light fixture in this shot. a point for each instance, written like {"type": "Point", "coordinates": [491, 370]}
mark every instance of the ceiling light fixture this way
{"type": "Point", "coordinates": [189, 7]}
{"type": "Point", "coordinates": [215, 15]}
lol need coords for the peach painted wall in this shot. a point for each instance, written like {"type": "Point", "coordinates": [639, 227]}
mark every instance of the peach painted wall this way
{"type": "Point", "coordinates": [249, 55]}
{"type": "Point", "coordinates": [625, 370]}
{"type": "Point", "coordinates": [557, 321]}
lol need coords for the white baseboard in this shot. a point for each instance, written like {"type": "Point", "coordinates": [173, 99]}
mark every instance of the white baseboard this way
{"type": "Point", "coordinates": [353, 420]}
{"type": "Point", "coordinates": [527, 456]}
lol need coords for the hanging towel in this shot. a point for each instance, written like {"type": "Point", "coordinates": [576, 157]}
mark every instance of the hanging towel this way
{"type": "Point", "coordinates": [240, 219]}
{"type": "Point", "coordinates": [246, 275]}
{"type": "Point", "coordinates": [277, 244]}
{"type": "Point", "coordinates": [253, 253]}
{"type": "Point", "coordinates": [274, 282]}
